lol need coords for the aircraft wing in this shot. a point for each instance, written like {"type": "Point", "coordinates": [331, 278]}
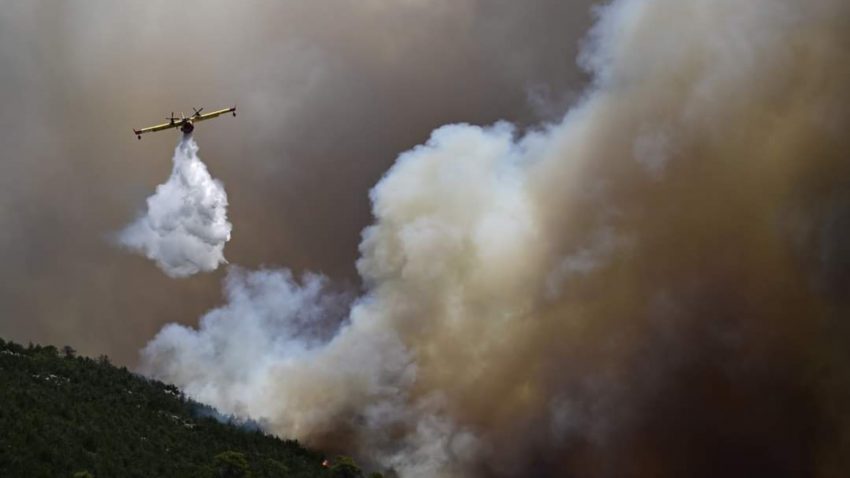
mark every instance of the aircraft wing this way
{"type": "Point", "coordinates": [214, 114]}
{"type": "Point", "coordinates": [158, 127]}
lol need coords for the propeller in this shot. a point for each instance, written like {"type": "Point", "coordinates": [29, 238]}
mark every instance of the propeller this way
{"type": "Point", "coordinates": [171, 118]}
{"type": "Point", "coordinates": [198, 111]}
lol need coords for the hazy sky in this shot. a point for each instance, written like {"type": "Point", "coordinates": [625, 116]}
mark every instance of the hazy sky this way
{"type": "Point", "coordinates": [643, 272]}
{"type": "Point", "coordinates": [329, 93]}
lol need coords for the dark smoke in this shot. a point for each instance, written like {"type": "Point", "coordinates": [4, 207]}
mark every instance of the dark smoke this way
{"type": "Point", "coordinates": [654, 285]}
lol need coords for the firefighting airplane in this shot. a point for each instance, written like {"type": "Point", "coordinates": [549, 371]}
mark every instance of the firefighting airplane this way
{"type": "Point", "coordinates": [186, 124]}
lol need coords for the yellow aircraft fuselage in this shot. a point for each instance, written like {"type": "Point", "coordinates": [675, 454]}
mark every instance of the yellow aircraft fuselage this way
{"type": "Point", "coordinates": [186, 124]}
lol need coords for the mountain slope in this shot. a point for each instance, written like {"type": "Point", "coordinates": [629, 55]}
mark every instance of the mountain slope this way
{"type": "Point", "coordinates": [62, 415]}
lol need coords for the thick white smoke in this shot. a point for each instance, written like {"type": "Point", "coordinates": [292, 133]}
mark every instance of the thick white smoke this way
{"type": "Point", "coordinates": [446, 254]}
{"type": "Point", "coordinates": [516, 283]}
{"type": "Point", "coordinates": [185, 227]}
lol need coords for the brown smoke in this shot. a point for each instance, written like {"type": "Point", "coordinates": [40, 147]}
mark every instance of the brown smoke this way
{"type": "Point", "coordinates": [656, 285]}
{"type": "Point", "coordinates": [329, 93]}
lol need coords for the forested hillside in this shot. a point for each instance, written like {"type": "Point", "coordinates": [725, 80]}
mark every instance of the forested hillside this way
{"type": "Point", "coordinates": [67, 416]}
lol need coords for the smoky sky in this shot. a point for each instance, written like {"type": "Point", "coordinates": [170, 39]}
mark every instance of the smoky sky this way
{"type": "Point", "coordinates": [328, 94]}
{"type": "Point", "coordinates": [652, 284]}
{"type": "Point", "coordinates": [541, 241]}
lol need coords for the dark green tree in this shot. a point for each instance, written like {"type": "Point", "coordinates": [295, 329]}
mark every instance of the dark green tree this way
{"type": "Point", "coordinates": [345, 467]}
{"type": "Point", "coordinates": [231, 464]}
{"type": "Point", "coordinates": [62, 415]}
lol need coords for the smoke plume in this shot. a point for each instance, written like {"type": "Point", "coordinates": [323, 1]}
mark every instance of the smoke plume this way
{"type": "Point", "coordinates": [185, 227]}
{"type": "Point", "coordinates": [329, 101]}
{"type": "Point", "coordinates": [653, 286]}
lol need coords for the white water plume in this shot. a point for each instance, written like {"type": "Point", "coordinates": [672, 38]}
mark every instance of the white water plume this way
{"type": "Point", "coordinates": [185, 227]}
